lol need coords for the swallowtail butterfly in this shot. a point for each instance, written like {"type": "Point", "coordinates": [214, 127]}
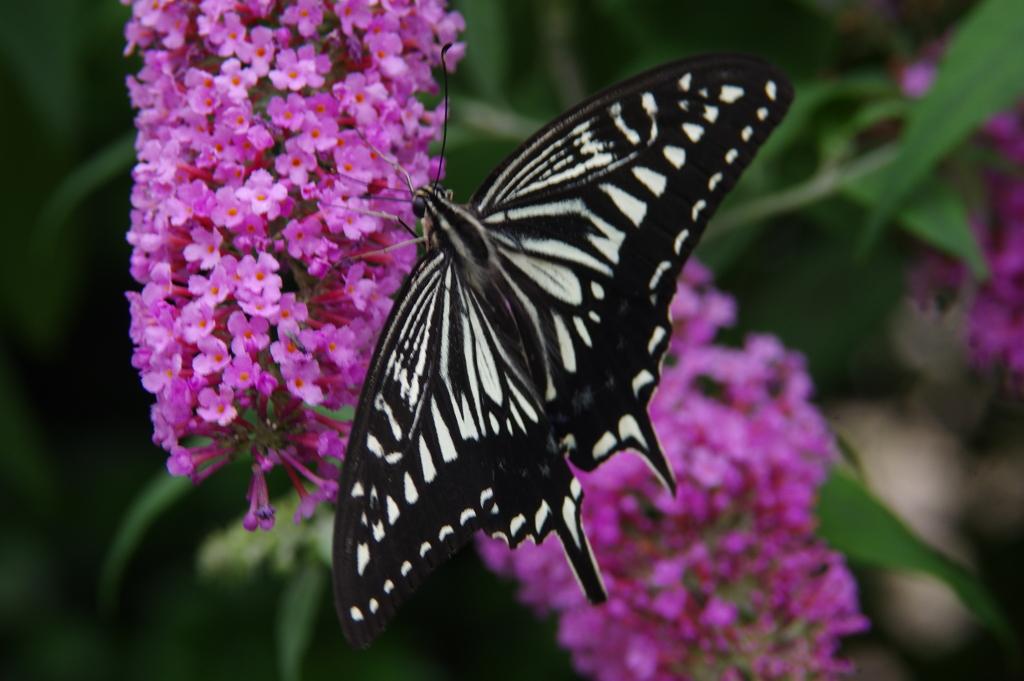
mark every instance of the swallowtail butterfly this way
{"type": "Point", "coordinates": [534, 327]}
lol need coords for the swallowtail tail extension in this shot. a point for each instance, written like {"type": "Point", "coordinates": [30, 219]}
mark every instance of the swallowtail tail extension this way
{"type": "Point", "coordinates": [534, 327]}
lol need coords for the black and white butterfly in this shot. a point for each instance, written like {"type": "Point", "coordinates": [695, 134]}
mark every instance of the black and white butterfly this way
{"type": "Point", "coordinates": [534, 327]}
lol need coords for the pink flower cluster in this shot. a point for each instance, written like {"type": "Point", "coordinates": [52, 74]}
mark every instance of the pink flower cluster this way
{"type": "Point", "coordinates": [269, 134]}
{"type": "Point", "coordinates": [995, 320]}
{"type": "Point", "coordinates": [726, 580]}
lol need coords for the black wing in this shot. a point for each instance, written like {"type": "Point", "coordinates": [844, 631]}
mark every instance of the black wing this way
{"type": "Point", "coordinates": [595, 216]}
{"type": "Point", "coordinates": [449, 437]}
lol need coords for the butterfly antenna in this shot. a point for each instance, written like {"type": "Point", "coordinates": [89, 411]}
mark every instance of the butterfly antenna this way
{"type": "Point", "coordinates": [377, 214]}
{"type": "Point", "coordinates": [444, 125]}
{"type": "Point", "coordinates": [380, 251]}
{"type": "Point", "coordinates": [393, 162]}
{"type": "Point", "coordinates": [381, 187]}
{"type": "Point", "coordinates": [378, 197]}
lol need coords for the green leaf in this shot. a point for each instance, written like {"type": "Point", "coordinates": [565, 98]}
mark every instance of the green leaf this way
{"type": "Point", "coordinates": [487, 54]}
{"type": "Point", "coordinates": [296, 617]}
{"type": "Point", "coordinates": [234, 555]}
{"type": "Point", "coordinates": [38, 322]}
{"type": "Point", "coordinates": [106, 164]}
{"type": "Point", "coordinates": [39, 41]}
{"type": "Point", "coordinates": [875, 112]}
{"type": "Point", "coordinates": [811, 97]}
{"type": "Point", "coordinates": [934, 213]}
{"type": "Point", "coordinates": [26, 468]}
{"type": "Point", "coordinates": [823, 184]}
{"type": "Point", "coordinates": [981, 73]}
{"type": "Point", "coordinates": [156, 497]}
{"type": "Point", "coordinates": [856, 523]}
{"type": "Point", "coordinates": [344, 414]}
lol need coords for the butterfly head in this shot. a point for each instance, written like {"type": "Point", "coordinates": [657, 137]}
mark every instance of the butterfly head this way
{"type": "Point", "coordinates": [448, 225]}
{"type": "Point", "coordinates": [425, 198]}
{"type": "Point", "coordinates": [423, 208]}
{"type": "Point", "coordinates": [419, 206]}
{"type": "Point", "coordinates": [429, 204]}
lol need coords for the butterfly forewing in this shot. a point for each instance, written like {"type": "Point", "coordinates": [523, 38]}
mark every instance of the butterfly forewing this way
{"type": "Point", "coordinates": [596, 215]}
{"type": "Point", "coordinates": [535, 328]}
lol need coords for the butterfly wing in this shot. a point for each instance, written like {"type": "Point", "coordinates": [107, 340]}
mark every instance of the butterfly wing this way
{"type": "Point", "coordinates": [595, 216]}
{"type": "Point", "coordinates": [449, 437]}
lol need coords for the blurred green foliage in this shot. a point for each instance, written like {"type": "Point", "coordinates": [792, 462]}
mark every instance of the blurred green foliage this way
{"type": "Point", "coordinates": [90, 518]}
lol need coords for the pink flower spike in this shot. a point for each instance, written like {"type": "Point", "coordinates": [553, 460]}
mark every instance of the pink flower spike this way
{"type": "Point", "coordinates": [353, 14]}
{"type": "Point", "coordinates": [290, 315]}
{"type": "Point", "coordinates": [227, 35]}
{"type": "Point", "coordinates": [229, 211]}
{"type": "Point", "coordinates": [235, 81]}
{"type": "Point", "coordinates": [261, 304]}
{"type": "Point", "coordinates": [737, 537]}
{"type": "Point", "coordinates": [197, 321]}
{"type": "Point", "coordinates": [330, 444]}
{"type": "Point", "coordinates": [258, 275]}
{"type": "Point", "coordinates": [164, 370]}
{"type": "Point", "coordinates": [263, 194]}
{"type": "Point", "coordinates": [323, 105]}
{"type": "Point", "coordinates": [180, 461]}
{"type": "Point", "coordinates": [260, 52]}
{"type": "Point", "coordinates": [318, 134]}
{"type": "Point", "coordinates": [201, 95]}
{"type": "Point", "coordinates": [301, 380]}
{"type": "Point", "coordinates": [214, 290]}
{"type": "Point", "coordinates": [205, 248]}
{"type": "Point", "coordinates": [242, 373]}
{"type": "Point", "coordinates": [288, 351]}
{"type": "Point", "coordinates": [385, 50]}
{"type": "Point", "coordinates": [288, 114]}
{"type": "Point", "coordinates": [303, 237]}
{"type": "Point", "coordinates": [718, 613]}
{"type": "Point", "coordinates": [916, 79]}
{"type": "Point", "coordinates": [296, 71]}
{"type": "Point", "coordinates": [295, 163]}
{"type": "Point", "coordinates": [306, 15]}
{"type": "Point", "coordinates": [215, 9]}
{"type": "Point", "coordinates": [259, 137]}
{"type": "Point", "coordinates": [217, 407]}
{"type": "Point", "coordinates": [362, 290]}
{"type": "Point", "coordinates": [213, 356]}
{"type": "Point", "coordinates": [342, 345]}
{"type": "Point", "coordinates": [240, 116]}
{"type": "Point", "coordinates": [360, 96]}
{"type": "Point", "coordinates": [321, 63]}
{"type": "Point", "coordinates": [248, 335]}
{"type": "Point", "coordinates": [261, 513]}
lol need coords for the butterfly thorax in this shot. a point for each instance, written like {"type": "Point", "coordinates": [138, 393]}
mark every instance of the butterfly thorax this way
{"type": "Point", "coordinates": [453, 227]}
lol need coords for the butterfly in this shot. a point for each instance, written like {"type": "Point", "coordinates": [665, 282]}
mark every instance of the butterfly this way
{"type": "Point", "coordinates": [534, 327]}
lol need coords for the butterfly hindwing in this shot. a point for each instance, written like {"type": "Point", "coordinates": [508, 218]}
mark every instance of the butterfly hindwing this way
{"type": "Point", "coordinates": [595, 216]}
